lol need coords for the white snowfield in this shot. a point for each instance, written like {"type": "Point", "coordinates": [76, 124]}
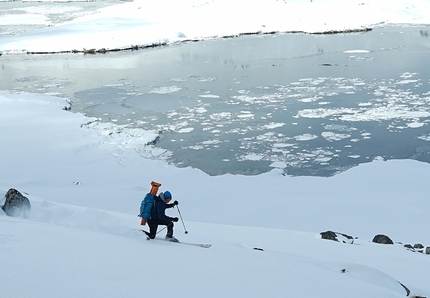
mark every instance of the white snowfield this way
{"type": "Point", "coordinates": [86, 185]}
{"type": "Point", "coordinates": [143, 23]}
{"type": "Point", "coordinates": [81, 239]}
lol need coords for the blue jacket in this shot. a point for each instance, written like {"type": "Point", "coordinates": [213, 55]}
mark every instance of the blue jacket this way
{"type": "Point", "coordinates": [159, 210]}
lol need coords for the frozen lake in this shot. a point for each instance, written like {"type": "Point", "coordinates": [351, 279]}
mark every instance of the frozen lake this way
{"type": "Point", "coordinates": [312, 104]}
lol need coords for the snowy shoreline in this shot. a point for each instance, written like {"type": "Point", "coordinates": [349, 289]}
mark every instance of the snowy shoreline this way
{"type": "Point", "coordinates": [140, 23]}
{"type": "Point", "coordinates": [162, 44]}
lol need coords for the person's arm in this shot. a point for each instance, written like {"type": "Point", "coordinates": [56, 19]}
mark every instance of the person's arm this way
{"type": "Point", "coordinates": [161, 212]}
{"type": "Point", "coordinates": [171, 205]}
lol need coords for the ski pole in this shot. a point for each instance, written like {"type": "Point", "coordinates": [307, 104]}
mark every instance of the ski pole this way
{"type": "Point", "coordinates": [180, 215]}
{"type": "Point", "coordinates": [163, 228]}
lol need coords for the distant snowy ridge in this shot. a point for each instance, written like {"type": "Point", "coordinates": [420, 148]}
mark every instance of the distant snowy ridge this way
{"type": "Point", "coordinates": [141, 24]}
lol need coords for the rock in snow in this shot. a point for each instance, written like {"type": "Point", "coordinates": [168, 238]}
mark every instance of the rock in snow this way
{"type": "Point", "coordinates": [16, 204]}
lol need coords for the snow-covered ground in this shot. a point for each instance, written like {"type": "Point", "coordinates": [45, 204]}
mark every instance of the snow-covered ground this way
{"type": "Point", "coordinates": [81, 238]}
{"type": "Point", "coordinates": [142, 23]}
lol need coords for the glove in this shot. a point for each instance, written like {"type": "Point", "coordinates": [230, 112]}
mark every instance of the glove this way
{"type": "Point", "coordinates": [175, 219]}
{"type": "Point", "coordinates": [175, 203]}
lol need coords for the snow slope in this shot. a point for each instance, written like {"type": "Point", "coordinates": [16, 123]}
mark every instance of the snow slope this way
{"type": "Point", "coordinates": [81, 239]}
{"type": "Point", "coordinates": [56, 260]}
{"type": "Point", "coordinates": [85, 188]}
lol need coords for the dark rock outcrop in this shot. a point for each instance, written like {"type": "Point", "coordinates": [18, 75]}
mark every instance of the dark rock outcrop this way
{"type": "Point", "coordinates": [16, 204]}
{"type": "Point", "coordinates": [382, 239]}
{"type": "Point", "coordinates": [409, 247]}
{"type": "Point", "coordinates": [339, 237]}
{"type": "Point", "coordinates": [418, 246]}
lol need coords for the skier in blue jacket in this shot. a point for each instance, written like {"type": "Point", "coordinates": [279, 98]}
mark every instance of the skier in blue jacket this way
{"type": "Point", "coordinates": [159, 217]}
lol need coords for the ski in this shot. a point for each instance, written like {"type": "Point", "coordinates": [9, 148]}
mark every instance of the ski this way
{"type": "Point", "coordinates": [202, 245]}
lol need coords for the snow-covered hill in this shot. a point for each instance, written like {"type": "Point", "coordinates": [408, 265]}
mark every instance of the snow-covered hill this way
{"type": "Point", "coordinates": [81, 238]}
{"type": "Point", "coordinates": [69, 251]}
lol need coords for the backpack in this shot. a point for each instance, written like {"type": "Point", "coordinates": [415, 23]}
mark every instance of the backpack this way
{"type": "Point", "coordinates": [148, 202]}
{"type": "Point", "coordinates": [146, 207]}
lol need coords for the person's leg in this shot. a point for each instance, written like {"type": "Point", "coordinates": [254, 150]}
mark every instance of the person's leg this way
{"type": "Point", "coordinates": [153, 225]}
{"type": "Point", "coordinates": [170, 230]}
{"type": "Point", "coordinates": [169, 225]}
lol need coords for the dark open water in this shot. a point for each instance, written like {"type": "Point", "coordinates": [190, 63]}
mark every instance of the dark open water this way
{"type": "Point", "coordinates": [310, 104]}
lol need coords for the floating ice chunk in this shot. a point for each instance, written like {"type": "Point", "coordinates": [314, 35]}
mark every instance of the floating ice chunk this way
{"type": "Point", "coordinates": [246, 115]}
{"type": "Point", "coordinates": [114, 85]}
{"type": "Point", "coordinates": [405, 82]}
{"type": "Point", "coordinates": [282, 145]}
{"type": "Point", "coordinates": [331, 136]}
{"type": "Point", "coordinates": [274, 125]}
{"type": "Point", "coordinates": [165, 90]}
{"type": "Point", "coordinates": [178, 80]}
{"type": "Point", "coordinates": [321, 113]}
{"type": "Point", "coordinates": [424, 138]}
{"type": "Point", "coordinates": [209, 96]}
{"type": "Point", "coordinates": [206, 79]}
{"type": "Point", "coordinates": [310, 99]}
{"type": "Point", "coordinates": [366, 135]}
{"type": "Point", "coordinates": [305, 137]}
{"type": "Point", "coordinates": [253, 156]}
{"type": "Point", "coordinates": [200, 110]}
{"type": "Point", "coordinates": [408, 75]}
{"type": "Point", "coordinates": [323, 159]}
{"type": "Point", "coordinates": [222, 115]}
{"type": "Point", "coordinates": [356, 52]}
{"type": "Point", "coordinates": [415, 125]}
{"type": "Point", "coordinates": [186, 130]}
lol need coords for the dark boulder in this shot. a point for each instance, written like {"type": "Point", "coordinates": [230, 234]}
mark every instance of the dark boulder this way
{"type": "Point", "coordinates": [339, 237]}
{"type": "Point", "coordinates": [16, 204]}
{"type": "Point", "coordinates": [410, 247]}
{"type": "Point", "coordinates": [418, 246]}
{"type": "Point", "coordinates": [382, 239]}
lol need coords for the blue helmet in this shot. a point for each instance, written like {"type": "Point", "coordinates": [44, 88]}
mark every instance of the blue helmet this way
{"type": "Point", "coordinates": [167, 194]}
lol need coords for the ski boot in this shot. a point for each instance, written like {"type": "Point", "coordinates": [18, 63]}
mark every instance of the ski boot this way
{"type": "Point", "coordinates": [171, 238]}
